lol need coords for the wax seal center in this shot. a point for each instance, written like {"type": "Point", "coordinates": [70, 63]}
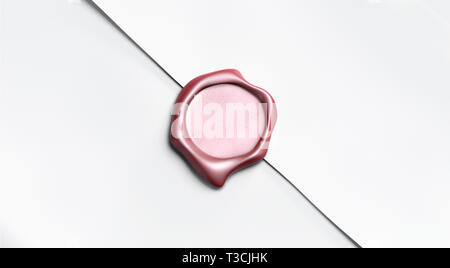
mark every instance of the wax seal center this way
{"type": "Point", "coordinates": [225, 120]}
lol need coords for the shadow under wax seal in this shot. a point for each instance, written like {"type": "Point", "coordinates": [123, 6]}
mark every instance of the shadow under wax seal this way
{"type": "Point", "coordinates": [222, 123]}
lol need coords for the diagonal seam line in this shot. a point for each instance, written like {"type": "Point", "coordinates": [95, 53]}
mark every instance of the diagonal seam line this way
{"type": "Point", "coordinates": [314, 206]}
{"type": "Point", "coordinates": [110, 20]}
{"type": "Point", "coordinates": [96, 7]}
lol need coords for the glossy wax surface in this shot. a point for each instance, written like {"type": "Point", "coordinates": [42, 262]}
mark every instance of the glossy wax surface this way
{"type": "Point", "coordinates": [222, 120]}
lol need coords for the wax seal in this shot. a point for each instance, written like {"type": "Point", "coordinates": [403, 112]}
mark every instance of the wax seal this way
{"type": "Point", "coordinates": [222, 123]}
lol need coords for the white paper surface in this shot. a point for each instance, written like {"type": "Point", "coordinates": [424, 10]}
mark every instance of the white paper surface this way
{"type": "Point", "coordinates": [84, 152]}
{"type": "Point", "coordinates": [362, 89]}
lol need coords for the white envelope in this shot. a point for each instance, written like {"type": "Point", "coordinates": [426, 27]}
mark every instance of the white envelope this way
{"type": "Point", "coordinates": [84, 152]}
{"type": "Point", "coordinates": [362, 89]}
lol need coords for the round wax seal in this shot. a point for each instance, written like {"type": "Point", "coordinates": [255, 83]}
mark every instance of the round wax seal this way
{"type": "Point", "coordinates": [222, 123]}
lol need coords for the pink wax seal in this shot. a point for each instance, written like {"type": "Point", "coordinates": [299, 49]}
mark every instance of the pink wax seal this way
{"type": "Point", "coordinates": [222, 123]}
